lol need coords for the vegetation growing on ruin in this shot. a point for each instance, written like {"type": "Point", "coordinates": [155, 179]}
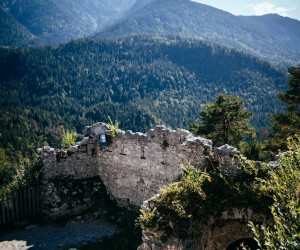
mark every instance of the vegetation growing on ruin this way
{"type": "Point", "coordinates": [113, 127]}
{"type": "Point", "coordinates": [68, 138]}
{"type": "Point", "coordinates": [284, 187]}
{"type": "Point", "coordinates": [184, 206]}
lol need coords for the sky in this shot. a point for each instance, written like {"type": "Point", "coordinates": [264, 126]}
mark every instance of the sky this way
{"type": "Point", "coordinates": [289, 8]}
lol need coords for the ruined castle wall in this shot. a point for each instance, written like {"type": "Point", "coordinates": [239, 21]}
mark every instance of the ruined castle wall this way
{"type": "Point", "coordinates": [137, 165]}
{"type": "Point", "coordinates": [133, 167]}
{"type": "Point", "coordinates": [70, 181]}
{"type": "Point", "coordinates": [217, 234]}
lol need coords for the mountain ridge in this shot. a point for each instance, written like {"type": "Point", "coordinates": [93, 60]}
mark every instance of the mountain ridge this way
{"type": "Point", "coordinates": [56, 21]}
{"type": "Point", "coordinates": [194, 20]}
{"type": "Point", "coordinates": [46, 23]}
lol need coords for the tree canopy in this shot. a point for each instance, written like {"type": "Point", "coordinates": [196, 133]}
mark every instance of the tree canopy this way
{"type": "Point", "coordinates": [225, 121]}
{"type": "Point", "coordinates": [287, 124]}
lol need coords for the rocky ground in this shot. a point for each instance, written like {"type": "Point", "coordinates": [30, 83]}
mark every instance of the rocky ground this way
{"type": "Point", "coordinates": [73, 233]}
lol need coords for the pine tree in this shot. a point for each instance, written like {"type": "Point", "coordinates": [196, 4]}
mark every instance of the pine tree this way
{"type": "Point", "coordinates": [287, 123]}
{"type": "Point", "coordinates": [225, 121]}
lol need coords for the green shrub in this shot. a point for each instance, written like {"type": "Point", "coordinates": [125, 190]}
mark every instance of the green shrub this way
{"type": "Point", "coordinates": [26, 174]}
{"type": "Point", "coordinates": [184, 206]}
{"type": "Point", "coordinates": [7, 169]}
{"type": "Point", "coordinates": [68, 138]}
{"type": "Point", "coordinates": [113, 127]}
{"type": "Point", "coordinates": [283, 185]}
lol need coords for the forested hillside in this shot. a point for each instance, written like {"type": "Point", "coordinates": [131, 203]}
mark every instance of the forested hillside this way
{"type": "Point", "coordinates": [255, 35]}
{"type": "Point", "coordinates": [36, 22]}
{"type": "Point", "coordinates": [33, 23]}
{"type": "Point", "coordinates": [12, 32]}
{"type": "Point", "coordinates": [140, 81]}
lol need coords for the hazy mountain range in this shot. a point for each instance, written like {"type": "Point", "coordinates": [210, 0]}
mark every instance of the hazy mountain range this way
{"type": "Point", "coordinates": [37, 22]}
{"type": "Point", "coordinates": [57, 21]}
{"type": "Point", "coordinates": [270, 37]}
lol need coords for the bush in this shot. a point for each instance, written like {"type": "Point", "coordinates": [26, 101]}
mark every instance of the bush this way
{"type": "Point", "coordinates": [284, 184]}
{"type": "Point", "coordinates": [183, 206]}
{"type": "Point", "coordinates": [7, 169]}
{"type": "Point", "coordinates": [68, 138]}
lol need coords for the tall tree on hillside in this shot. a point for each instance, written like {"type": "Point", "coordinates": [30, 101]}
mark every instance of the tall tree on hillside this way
{"type": "Point", "coordinates": [287, 123]}
{"type": "Point", "coordinates": [225, 121]}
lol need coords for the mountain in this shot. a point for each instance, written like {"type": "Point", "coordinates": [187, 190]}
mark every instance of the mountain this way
{"type": "Point", "coordinates": [57, 21]}
{"type": "Point", "coordinates": [256, 35]}
{"type": "Point", "coordinates": [283, 29]}
{"type": "Point", "coordinates": [140, 81]}
{"type": "Point", "coordinates": [43, 22]}
{"type": "Point", "coordinates": [12, 32]}
{"type": "Point", "coordinates": [139, 4]}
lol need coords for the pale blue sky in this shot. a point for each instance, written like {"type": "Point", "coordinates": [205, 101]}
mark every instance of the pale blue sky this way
{"type": "Point", "coordinates": [290, 8]}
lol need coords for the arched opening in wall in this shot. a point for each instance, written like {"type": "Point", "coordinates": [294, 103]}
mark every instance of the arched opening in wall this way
{"type": "Point", "coordinates": [249, 243]}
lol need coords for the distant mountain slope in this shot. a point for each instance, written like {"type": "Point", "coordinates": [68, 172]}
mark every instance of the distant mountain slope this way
{"type": "Point", "coordinates": [193, 20]}
{"type": "Point", "coordinates": [43, 22]}
{"type": "Point", "coordinates": [138, 80]}
{"type": "Point", "coordinates": [57, 21]}
{"type": "Point", "coordinates": [283, 29]}
{"type": "Point", "coordinates": [139, 4]}
{"type": "Point", "coordinates": [12, 32]}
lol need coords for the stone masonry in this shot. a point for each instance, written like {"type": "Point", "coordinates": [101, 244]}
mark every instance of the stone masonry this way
{"type": "Point", "coordinates": [133, 167]}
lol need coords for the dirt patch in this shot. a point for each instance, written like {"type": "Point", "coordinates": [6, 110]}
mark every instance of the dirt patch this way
{"type": "Point", "coordinates": [75, 232]}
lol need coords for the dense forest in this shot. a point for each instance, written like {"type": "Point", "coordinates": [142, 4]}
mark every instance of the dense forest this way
{"type": "Point", "coordinates": [139, 81]}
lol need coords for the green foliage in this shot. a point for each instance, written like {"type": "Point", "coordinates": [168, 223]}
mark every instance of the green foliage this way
{"type": "Point", "coordinates": [225, 121]}
{"type": "Point", "coordinates": [15, 175]}
{"type": "Point", "coordinates": [251, 149]}
{"type": "Point", "coordinates": [27, 174]}
{"type": "Point", "coordinates": [255, 150]}
{"type": "Point", "coordinates": [113, 127]}
{"type": "Point", "coordinates": [7, 169]}
{"type": "Point", "coordinates": [68, 138]}
{"type": "Point", "coordinates": [181, 18]}
{"type": "Point", "coordinates": [182, 207]}
{"type": "Point", "coordinates": [139, 81]}
{"type": "Point", "coordinates": [284, 230]}
{"type": "Point", "coordinates": [12, 32]}
{"type": "Point", "coordinates": [287, 124]}
{"type": "Point", "coordinates": [174, 209]}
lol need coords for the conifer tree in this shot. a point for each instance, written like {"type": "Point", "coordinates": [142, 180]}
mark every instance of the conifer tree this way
{"type": "Point", "coordinates": [225, 121]}
{"type": "Point", "coordinates": [287, 124]}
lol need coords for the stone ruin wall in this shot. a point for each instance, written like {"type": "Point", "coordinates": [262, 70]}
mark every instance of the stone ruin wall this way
{"type": "Point", "coordinates": [132, 168]}
{"type": "Point", "coordinates": [217, 234]}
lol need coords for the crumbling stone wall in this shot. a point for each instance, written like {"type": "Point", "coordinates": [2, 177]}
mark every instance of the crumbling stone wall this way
{"type": "Point", "coordinates": [65, 197]}
{"type": "Point", "coordinates": [137, 165]}
{"type": "Point", "coordinates": [217, 234]}
{"type": "Point", "coordinates": [133, 167]}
